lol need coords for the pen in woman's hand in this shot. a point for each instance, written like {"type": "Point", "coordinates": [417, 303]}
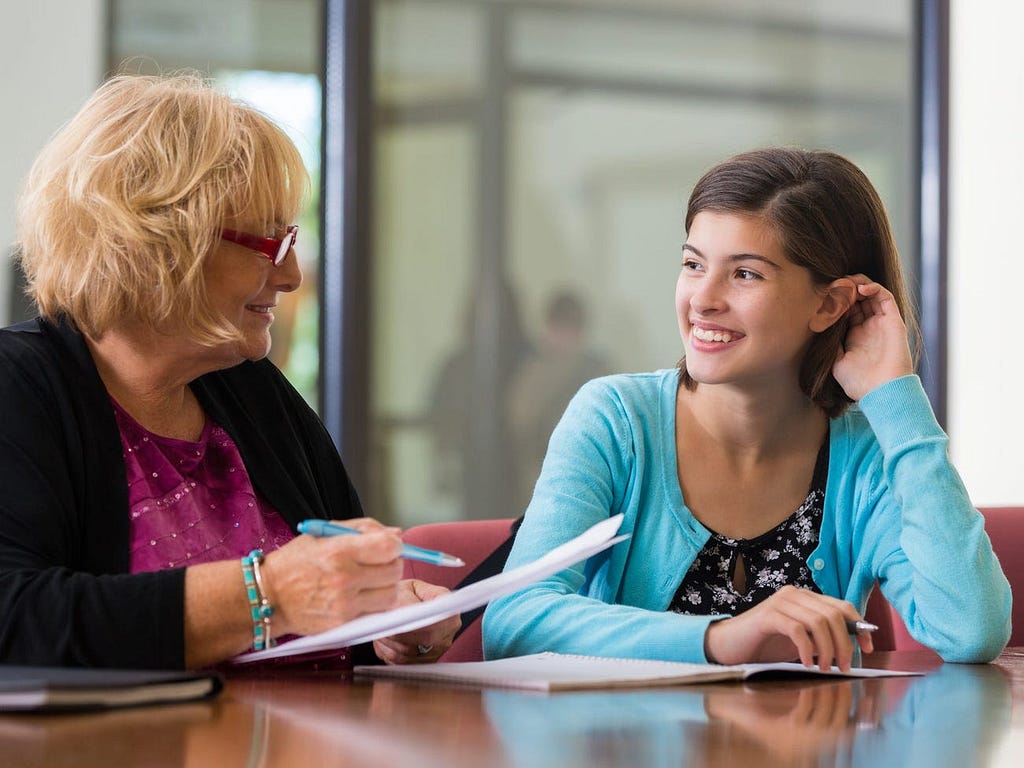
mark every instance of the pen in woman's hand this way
{"type": "Point", "coordinates": [409, 551]}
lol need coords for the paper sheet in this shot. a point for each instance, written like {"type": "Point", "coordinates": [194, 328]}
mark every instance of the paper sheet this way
{"type": "Point", "coordinates": [410, 617]}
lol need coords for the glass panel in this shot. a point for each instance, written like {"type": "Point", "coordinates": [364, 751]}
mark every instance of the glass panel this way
{"type": "Point", "coordinates": [533, 164]}
{"type": "Point", "coordinates": [264, 52]}
{"type": "Point", "coordinates": [425, 263]}
{"type": "Point", "coordinates": [424, 267]}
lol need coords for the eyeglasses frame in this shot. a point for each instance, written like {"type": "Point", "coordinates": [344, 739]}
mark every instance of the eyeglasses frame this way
{"type": "Point", "coordinates": [274, 248]}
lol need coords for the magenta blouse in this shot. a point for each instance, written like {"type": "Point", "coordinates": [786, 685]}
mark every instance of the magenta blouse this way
{"type": "Point", "coordinates": [191, 502]}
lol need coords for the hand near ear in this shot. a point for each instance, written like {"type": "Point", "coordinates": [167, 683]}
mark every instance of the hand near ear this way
{"type": "Point", "coordinates": [876, 349]}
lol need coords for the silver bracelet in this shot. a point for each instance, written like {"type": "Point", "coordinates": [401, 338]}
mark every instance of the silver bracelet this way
{"type": "Point", "coordinates": [259, 604]}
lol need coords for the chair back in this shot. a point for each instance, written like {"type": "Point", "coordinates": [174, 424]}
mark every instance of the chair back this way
{"type": "Point", "coordinates": [474, 540]}
{"type": "Point", "coordinates": [1005, 528]}
{"type": "Point", "coordinates": [471, 540]}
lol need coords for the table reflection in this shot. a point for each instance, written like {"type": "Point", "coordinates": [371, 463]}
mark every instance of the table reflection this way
{"type": "Point", "coordinates": [954, 716]}
{"type": "Point", "coordinates": [315, 722]}
{"type": "Point", "coordinates": [99, 738]}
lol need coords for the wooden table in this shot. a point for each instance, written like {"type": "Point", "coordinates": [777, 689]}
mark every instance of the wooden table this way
{"type": "Point", "coordinates": [957, 715]}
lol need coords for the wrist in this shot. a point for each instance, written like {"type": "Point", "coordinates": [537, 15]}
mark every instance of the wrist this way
{"type": "Point", "coordinates": [272, 582]}
{"type": "Point", "coordinates": [261, 610]}
{"type": "Point", "coordinates": [884, 378]}
{"type": "Point", "coordinates": [709, 653]}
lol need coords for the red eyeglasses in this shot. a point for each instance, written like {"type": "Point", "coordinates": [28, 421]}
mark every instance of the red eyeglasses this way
{"type": "Point", "coordinates": [274, 248]}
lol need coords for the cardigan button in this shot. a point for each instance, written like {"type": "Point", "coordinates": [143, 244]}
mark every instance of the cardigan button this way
{"type": "Point", "coordinates": [818, 564]}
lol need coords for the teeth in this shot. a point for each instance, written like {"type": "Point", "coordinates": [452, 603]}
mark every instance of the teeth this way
{"type": "Point", "coordinates": [703, 335]}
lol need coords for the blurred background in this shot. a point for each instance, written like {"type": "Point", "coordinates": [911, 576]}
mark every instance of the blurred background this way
{"type": "Point", "coordinates": [499, 187]}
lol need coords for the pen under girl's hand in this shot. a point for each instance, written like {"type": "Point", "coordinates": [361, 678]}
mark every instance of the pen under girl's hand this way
{"type": "Point", "coordinates": [409, 551]}
{"type": "Point", "coordinates": [856, 627]}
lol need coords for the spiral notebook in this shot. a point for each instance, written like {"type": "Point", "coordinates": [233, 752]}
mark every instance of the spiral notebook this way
{"type": "Point", "coordinates": [561, 672]}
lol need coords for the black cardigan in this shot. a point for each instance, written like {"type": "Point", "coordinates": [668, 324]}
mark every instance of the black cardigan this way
{"type": "Point", "coordinates": [66, 597]}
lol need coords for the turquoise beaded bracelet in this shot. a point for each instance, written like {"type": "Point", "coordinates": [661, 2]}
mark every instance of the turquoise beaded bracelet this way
{"type": "Point", "coordinates": [260, 606]}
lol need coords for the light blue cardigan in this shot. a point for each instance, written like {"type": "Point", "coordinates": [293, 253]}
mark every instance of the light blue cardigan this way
{"type": "Point", "coordinates": [895, 510]}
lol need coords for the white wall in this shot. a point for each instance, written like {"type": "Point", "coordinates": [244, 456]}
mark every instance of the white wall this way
{"type": "Point", "coordinates": [52, 58]}
{"type": "Point", "coordinates": [986, 356]}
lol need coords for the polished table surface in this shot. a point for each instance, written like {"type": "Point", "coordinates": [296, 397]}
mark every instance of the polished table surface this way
{"type": "Point", "coordinates": [956, 715]}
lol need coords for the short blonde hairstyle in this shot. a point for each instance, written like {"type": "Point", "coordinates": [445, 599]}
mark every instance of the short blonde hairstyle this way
{"type": "Point", "coordinates": [127, 200]}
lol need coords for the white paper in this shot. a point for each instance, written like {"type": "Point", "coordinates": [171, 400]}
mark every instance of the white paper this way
{"type": "Point", "coordinates": [410, 617]}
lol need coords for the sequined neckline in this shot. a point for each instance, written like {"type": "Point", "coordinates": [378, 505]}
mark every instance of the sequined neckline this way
{"type": "Point", "coordinates": [185, 454]}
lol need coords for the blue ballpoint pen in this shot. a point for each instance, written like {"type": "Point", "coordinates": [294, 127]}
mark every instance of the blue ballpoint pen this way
{"type": "Point", "coordinates": [409, 551]}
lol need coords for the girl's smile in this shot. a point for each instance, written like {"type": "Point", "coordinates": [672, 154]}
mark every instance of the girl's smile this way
{"type": "Point", "coordinates": [744, 309]}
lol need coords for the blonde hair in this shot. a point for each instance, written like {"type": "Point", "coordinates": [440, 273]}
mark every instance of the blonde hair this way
{"type": "Point", "coordinates": [127, 200]}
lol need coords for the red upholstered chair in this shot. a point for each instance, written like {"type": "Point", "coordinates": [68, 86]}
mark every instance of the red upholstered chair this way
{"type": "Point", "coordinates": [473, 541]}
{"type": "Point", "coordinates": [1005, 527]}
{"type": "Point", "coordinates": [881, 614]}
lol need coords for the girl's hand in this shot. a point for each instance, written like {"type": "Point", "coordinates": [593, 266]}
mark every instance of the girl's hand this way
{"type": "Point", "coordinates": [876, 349]}
{"type": "Point", "coordinates": [791, 624]}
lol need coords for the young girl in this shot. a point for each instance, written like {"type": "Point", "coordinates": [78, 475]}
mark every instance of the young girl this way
{"type": "Point", "coordinates": [762, 505]}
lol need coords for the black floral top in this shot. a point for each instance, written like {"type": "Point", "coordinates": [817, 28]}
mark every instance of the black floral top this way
{"type": "Point", "coordinates": [730, 576]}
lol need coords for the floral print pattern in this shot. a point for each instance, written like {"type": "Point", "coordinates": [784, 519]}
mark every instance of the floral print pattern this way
{"type": "Point", "coordinates": [770, 561]}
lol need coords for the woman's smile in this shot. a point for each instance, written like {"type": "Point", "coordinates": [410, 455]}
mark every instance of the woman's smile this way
{"type": "Point", "coordinates": [265, 310]}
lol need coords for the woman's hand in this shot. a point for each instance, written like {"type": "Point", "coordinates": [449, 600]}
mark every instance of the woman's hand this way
{"type": "Point", "coordinates": [316, 584]}
{"type": "Point", "coordinates": [421, 645]}
{"type": "Point", "coordinates": [791, 624]}
{"type": "Point", "coordinates": [876, 349]}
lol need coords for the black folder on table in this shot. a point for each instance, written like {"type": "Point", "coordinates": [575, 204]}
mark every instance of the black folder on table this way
{"type": "Point", "coordinates": [56, 689]}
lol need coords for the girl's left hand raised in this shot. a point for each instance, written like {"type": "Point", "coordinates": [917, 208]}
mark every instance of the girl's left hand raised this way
{"type": "Point", "coordinates": [876, 349]}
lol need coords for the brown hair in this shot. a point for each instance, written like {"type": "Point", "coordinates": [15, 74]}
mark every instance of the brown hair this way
{"type": "Point", "coordinates": [126, 201]}
{"type": "Point", "coordinates": [829, 220]}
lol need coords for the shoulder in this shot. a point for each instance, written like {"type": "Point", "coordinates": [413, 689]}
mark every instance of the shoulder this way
{"type": "Point", "coordinates": [632, 389]}
{"type": "Point", "coordinates": [38, 351]}
{"type": "Point", "coordinates": [25, 340]}
{"type": "Point", "coordinates": [852, 440]}
{"type": "Point", "coordinates": [633, 396]}
{"type": "Point", "coordinates": [630, 407]}
{"type": "Point", "coordinates": [50, 386]}
{"type": "Point", "coordinates": [891, 423]}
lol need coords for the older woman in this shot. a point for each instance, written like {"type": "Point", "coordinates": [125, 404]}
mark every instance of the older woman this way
{"type": "Point", "coordinates": [152, 460]}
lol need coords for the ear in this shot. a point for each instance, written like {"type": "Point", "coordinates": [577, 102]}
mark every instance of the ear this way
{"type": "Point", "coordinates": [836, 299]}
